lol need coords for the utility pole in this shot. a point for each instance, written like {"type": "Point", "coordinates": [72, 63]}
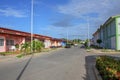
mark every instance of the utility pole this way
{"type": "Point", "coordinates": [88, 26]}
{"type": "Point", "coordinates": [67, 34]}
{"type": "Point", "coordinates": [32, 15]}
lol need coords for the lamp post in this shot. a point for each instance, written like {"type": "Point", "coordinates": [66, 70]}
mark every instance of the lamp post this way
{"type": "Point", "coordinates": [31, 23]}
{"type": "Point", "coordinates": [88, 26]}
{"type": "Point", "coordinates": [67, 34]}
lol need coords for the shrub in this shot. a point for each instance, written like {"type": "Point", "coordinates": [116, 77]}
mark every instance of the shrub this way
{"type": "Point", "coordinates": [36, 46]}
{"type": "Point", "coordinates": [108, 67]}
{"type": "Point", "coordinates": [6, 53]}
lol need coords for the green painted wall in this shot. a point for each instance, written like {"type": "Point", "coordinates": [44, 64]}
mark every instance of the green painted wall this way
{"type": "Point", "coordinates": [111, 33]}
{"type": "Point", "coordinates": [117, 33]}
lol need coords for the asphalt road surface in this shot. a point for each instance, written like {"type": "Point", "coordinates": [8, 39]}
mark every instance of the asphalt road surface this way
{"type": "Point", "coordinates": [64, 64]}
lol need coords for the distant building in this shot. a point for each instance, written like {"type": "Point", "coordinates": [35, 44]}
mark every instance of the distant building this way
{"type": "Point", "coordinates": [96, 36]}
{"type": "Point", "coordinates": [109, 33]}
{"type": "Point", "coordinates": [45, 39]}
{"type": "Point", "coordinates": [56, 42]}
{"type": "Point", "coordinates": [9, 38]}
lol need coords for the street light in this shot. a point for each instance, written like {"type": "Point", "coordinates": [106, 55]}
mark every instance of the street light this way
{"type": "Point", "coordinates": [88, 26]}
{"type": "Point", "coordinates": [67, 34]}
{"type": "Point", "coordinates": [32, 14]}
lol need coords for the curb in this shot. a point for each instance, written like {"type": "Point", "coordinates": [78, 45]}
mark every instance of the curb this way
{"type": "Point", "coordinates": [6, 58]}
{"type": "Point", "coordinates": [97, 75]}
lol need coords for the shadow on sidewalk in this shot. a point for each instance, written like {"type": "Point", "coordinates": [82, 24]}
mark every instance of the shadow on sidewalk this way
{"type": "Point", "coordinates": [89, 62]}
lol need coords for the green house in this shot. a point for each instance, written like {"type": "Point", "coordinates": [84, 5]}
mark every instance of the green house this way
{"type": "Point", "coordinates": [109, 33]}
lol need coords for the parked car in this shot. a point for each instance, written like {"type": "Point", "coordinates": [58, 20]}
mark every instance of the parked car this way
{"type": "Point", "coordinates": [68, 46]}
{"type": "Point", "coordinates": [75, 45]}
{"type": "Point", "coordinates": [53, 47]}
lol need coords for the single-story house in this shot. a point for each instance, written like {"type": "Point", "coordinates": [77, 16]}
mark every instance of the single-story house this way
{"type": "Point", "coordinates": [9, 38]}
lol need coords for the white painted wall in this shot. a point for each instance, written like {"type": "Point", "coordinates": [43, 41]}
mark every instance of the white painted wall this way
{"type": "Point", "coordinates": [59, 44]}
{"type": "Point", "coordinates": [118, 28]}
{"type": "Point", "coordinates": [118, 42]}
{"type": "Point", "coordinates": [47, 43]}
{"type": "Point", "coordinates": [118, 24]}
{"type": "Point", "coordinates": [95, 39]}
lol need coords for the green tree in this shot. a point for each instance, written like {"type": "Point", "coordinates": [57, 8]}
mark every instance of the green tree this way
{"type": "Point", "coordinates": [99, 41]}
{"type": "Point", "coordinates": [26, 47]}
{"type": "Point", "coordinates": [17, 47]}
{"type": "Point", "coordinates": [86, 43]}
{"type": "Point", "coordinates": [37, 46]}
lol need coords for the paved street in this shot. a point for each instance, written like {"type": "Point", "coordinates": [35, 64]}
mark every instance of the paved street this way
{"type": "Point", "coordinates": [88, 29]}
{"type": "Point", "coordinates": [64, 64]}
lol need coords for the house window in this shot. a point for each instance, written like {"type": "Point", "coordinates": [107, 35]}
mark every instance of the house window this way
{"type": "Point", "coordinates": [1, 42]}
{"type": "Point", "coordinates": [10, 42]}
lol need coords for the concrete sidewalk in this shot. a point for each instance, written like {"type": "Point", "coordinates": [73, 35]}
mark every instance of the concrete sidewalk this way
{"type": "Point", "coordinates": [5, 58]}
{"type": "Point", "coordinates": [104, 52]}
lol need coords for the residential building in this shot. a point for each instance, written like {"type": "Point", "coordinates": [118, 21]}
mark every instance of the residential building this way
{"type": "Point", "coordinates": [9, 38]}
{"type": "Point", "coordinates": [56, 42]}
{"type": "Point", "coordinates": [96, 36]}
{"type": "Point", "coordinates": [45, 39]}
{"type": "Point", "coordinates": [109, 33]}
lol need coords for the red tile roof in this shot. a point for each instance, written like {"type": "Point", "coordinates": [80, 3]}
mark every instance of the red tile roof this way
{"type": "Point", "coordinates": [25, 34]}
{"type": "Point", "coordinates": [14, 32]}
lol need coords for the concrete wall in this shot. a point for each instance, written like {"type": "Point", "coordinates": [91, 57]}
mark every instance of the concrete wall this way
{"type": "Point", "coordinates": [17, 40]}
{"type": "Point", "coordinates": [113, 43]}
{"type": "Point", "coordinates": [47, 43]}
{"type": "Point", "coordinates": [2, 48]}
{"type": "Point", "coordinates": [108, 32]}
{"type": "Point", "coordinates": [96, 37]}
{"type": "Point", "coordinates": [118, 33]}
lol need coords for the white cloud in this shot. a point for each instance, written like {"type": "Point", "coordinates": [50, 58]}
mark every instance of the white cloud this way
{"type": "Point", "coordinates": [64, 22]}
{"type": "Point", "coordinates": [12, 12]}
{"type": "Point", "coordinates": [80, 8]}
{"type": "Point", "coordinates": [79, 29]}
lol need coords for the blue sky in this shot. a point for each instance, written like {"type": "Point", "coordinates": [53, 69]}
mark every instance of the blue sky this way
{"type": "Point", "coordinates": [55, 17]}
